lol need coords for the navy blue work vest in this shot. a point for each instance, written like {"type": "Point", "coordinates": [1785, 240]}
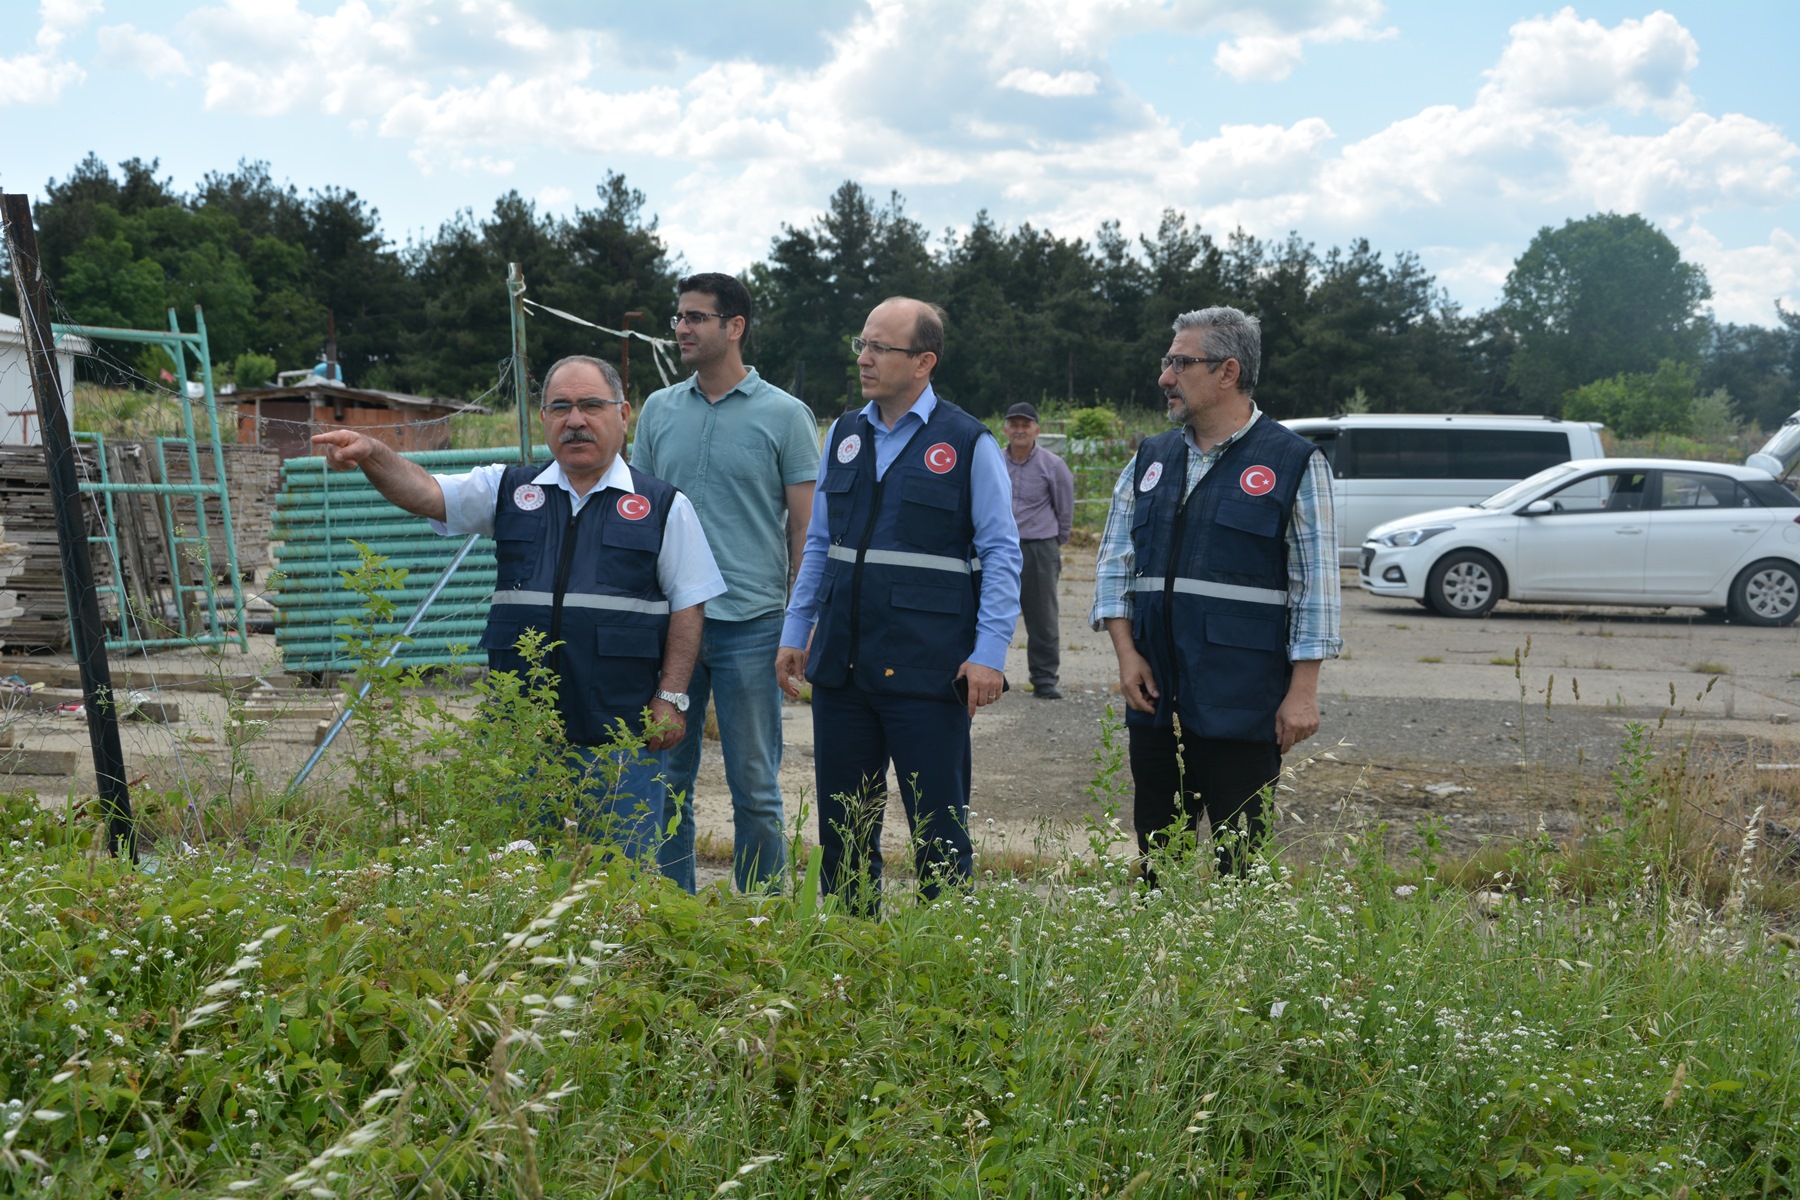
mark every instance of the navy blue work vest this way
{"type": "Point", "coordinates": [589, 581]}
{"type": "Point", "coordinates": [902, 583]}
{"type": "Point", "coordinates": [1209, 608]}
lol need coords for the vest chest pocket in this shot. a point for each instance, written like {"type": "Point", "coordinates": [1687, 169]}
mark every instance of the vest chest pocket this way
{"type": "Point", "coordinates": [837, 485]}
{"type": "Point", "coordinates": [631, 535]}
{"type": "Point", "coordinates": [1262, 518]}
{"type": "Point", "coordinates": [514, 560]}
{"type": "Point", "coordinates": [930, 513]}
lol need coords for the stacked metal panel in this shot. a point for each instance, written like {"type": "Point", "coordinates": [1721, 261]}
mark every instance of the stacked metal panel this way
{"type": "Point", "coordinates": [321, 514]}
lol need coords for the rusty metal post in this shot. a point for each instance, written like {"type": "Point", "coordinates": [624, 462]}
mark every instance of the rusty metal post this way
{"type": "Point", "coordinates": [71, 530]}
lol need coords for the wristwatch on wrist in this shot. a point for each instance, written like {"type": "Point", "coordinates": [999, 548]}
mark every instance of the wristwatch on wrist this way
{"type": "Point", "coordinates": [676, 700]}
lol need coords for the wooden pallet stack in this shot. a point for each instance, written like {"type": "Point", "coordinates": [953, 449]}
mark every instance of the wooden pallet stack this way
{"type": "Point", "coordinates": [253, 477]}
{"type": "Point", "coordinates": [12, 561]}
{"type": "Point", "coordinates": [43, 620]}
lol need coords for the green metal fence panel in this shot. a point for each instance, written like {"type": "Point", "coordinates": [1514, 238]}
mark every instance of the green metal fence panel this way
{"type": "Point", "coordinates": [322, 514]}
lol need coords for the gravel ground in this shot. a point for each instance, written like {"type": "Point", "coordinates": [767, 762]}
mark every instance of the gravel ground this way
{"type": "Point", "coordinates": [1493, 726]}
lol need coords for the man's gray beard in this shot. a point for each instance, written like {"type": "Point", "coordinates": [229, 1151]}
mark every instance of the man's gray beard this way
{"type": "Point", "coordinates": [570, 437]}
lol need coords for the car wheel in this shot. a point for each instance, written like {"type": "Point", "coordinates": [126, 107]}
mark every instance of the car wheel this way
{"type": "Point", "coordinates": [1766, 593]}
{"type": "Point", "coordinates": [1463, 583]}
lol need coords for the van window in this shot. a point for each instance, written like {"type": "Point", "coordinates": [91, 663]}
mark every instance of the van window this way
{"type": "Point", "coordinates": [1451, 453]}
{"type": "Point", "coordinates": [1327, 442]}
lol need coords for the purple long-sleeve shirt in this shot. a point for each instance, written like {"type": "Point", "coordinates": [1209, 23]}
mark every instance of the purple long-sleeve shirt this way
{"type": "Point", "coordinates": [1043, 490]}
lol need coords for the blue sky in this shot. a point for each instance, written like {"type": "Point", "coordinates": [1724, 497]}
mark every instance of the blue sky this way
{"type": "Point", "coordinates": [1452, 130]}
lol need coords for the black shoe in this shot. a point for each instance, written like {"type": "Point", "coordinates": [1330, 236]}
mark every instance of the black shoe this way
{"type": "Point", "coordinates": [1046, 691]}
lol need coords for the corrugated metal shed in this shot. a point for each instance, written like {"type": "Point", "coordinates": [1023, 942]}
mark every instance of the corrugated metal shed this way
{"type": "Point", "coordinates": [321, 513]}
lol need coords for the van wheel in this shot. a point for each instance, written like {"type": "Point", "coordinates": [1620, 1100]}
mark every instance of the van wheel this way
{"type": "Point", "coordinates": [1463, 583]}
{"type": "Point", "coordinates": [1766, 593]}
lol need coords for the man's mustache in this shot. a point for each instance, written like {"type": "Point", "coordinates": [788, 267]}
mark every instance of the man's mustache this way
{"type": "Point", "coordinates": [574, 435]}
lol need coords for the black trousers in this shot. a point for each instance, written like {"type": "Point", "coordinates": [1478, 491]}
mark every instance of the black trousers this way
{"type": "Point", "coordinates": [1222, 778]}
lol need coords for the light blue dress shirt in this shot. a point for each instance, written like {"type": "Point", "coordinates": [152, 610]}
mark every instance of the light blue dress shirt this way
{"type": "Point", "coordinates": [996, 538]}
{"type": "Point", "coordinates": [685, 570]}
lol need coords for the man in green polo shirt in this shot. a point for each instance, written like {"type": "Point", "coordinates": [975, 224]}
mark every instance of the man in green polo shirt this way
{"type": "Point", "coordinates": [747, 455]}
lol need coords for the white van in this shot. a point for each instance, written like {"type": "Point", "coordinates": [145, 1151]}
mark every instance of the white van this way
{"type": "Point", "coordinates": [1392, 465]}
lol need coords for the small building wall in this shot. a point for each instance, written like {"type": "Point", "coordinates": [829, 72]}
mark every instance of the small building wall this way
{"type": "Point", "coordinates": [19, 424]}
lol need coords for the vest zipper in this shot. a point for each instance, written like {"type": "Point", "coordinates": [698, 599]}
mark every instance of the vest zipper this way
{"type": "Point", "coordinates": [856, 571]}
{"type": "Point", "coordinates": [563, 562]}
{"type": "Point", "coordinates": [1173, 690]}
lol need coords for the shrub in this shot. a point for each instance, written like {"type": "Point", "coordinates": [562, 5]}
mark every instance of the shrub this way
{"type": "Point", "coordinates": [252, 370]}
{"type": "Point", "coordinates": [1096, 423]}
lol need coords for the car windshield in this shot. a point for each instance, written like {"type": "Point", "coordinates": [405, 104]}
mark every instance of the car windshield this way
{"type": "Point", "coordinates": [1507, 497]}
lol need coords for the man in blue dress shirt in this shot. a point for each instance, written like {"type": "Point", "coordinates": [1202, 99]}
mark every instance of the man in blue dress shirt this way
{"type": "Point", "coordinates": [905, 604]}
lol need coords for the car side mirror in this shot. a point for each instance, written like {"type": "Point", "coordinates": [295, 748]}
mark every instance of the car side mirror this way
{"type": "Point", "coordinates": [1537, 508]}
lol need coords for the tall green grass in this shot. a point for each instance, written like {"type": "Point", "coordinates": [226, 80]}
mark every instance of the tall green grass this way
{"type": "Point", "coordinates": [410, 988]}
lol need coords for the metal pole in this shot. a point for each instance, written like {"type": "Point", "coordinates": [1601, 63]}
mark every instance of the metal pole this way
{"type": "Point", "coordinates": [71, 530]}
{"type": "Point", "coordinates": [625, 351]}
{"type": "Point", "coordinates": [412, 623]}
{"type": "Point", "coordinates": [515, 291]}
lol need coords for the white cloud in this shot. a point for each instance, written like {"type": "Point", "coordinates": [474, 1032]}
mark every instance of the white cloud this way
{"type": "Point", "coordinates": [126, 47]}
{"type": "Point", "coordinates": [1265, 48]}
{"type": "Point", "coordinates": [1014, 104]}
{"type": "Point", "coordinates": [1042, 83]}
{"type": "Point", "coordinates": [1259, 57]}
{"type": "Point", "coordinates": [1747, 281]}
{"type": "Point", "coordinates": [39, 77]}
{"type": "Point", "coordinates": [1565, 62]}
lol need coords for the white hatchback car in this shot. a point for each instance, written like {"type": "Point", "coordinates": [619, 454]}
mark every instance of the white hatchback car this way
{"type": "Point", "coordinates": [1628, 531]}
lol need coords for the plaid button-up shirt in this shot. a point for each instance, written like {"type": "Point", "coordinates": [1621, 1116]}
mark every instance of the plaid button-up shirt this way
{"type": "Point", "coordinates": [1313, 600]}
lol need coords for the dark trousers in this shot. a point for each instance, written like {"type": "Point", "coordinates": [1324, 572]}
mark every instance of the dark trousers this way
{"type": "Point", "coordinates": [1225, 779]}
{"type": "Point", "coordinates": [855, 734]}
{"type": "Point", "coordinates": [1039, 574]}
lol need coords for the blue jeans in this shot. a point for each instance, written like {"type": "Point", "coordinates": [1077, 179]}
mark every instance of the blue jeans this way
{"type": "Point", "coordinates": [625, 808]}
{"type": "Point", "coordinates": [736, 668]}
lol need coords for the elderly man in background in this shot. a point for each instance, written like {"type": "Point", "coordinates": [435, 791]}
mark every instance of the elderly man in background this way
{"type": "Point", "coordinates": [1217, 581]}
{"type": "Point", "coordinates": [606, 560]}
{"type": "Point", "coordinates": [1043, 497]}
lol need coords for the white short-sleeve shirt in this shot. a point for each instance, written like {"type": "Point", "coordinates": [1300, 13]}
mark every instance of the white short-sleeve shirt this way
{"type": "Point", "coordinates": [685, 569]}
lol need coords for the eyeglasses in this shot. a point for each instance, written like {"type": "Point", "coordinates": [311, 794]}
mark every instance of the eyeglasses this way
{"type": "Point", "coordinates": [694, 317]}
{"type": "Point", "coordinates": [590, 406]}
{"type": "Point", "coordinates": [1181, 362]}
{"type": "Point", "coordinates": [858, 345]}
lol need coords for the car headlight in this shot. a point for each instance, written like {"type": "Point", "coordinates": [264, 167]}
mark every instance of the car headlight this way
{"type": "Point", "coordinates": [1411, 537]}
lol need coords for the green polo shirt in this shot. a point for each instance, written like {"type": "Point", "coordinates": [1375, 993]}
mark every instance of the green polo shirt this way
{"type": "Point", "coordinates": [734, 459]}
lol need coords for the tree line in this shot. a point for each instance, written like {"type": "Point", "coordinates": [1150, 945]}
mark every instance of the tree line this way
{"type": "Point", "coordinates": [1604, 300]}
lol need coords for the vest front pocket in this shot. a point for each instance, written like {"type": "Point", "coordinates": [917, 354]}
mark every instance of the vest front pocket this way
{"type": "Point", "coordinates": [627, 666]}
{"type": "Point", "coordinates": [930, 513]}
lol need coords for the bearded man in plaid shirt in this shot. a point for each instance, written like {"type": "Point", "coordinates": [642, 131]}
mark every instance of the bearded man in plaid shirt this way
{"type": "Point", "coordinates": [1217, 581]}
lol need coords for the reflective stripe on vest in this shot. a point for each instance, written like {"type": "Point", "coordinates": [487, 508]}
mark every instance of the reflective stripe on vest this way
{"type": "Point", "coordinates": [582, 600]}
{"type": "Point", "coordinates": [906, 558]}
{"type": "Point", "coordinates": [1221, 591]}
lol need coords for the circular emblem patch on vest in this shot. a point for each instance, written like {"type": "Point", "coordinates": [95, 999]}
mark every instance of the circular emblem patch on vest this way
{"type": "Point", "coordinates": [1257, 481]}
{"type": "Point", "coordinates": [528, 496]}
{"type": "Point", "coordinates": [940, 458]}
{"type": "Point", "coordinates": [1151, 475]}
{"type": "Point", "coordinates": [634, 507]}
{"type": "Point", "coordinates": [849, 448]}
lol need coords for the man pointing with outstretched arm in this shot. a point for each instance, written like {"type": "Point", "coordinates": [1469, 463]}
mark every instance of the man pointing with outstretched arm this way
{"type": "Point", "coordinates": [606, 560]}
